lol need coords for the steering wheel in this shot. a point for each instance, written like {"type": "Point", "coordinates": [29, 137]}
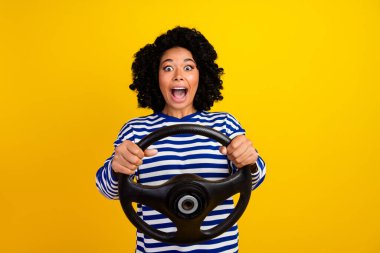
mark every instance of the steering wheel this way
{"type": "Point", "coordinates": [186, 199]}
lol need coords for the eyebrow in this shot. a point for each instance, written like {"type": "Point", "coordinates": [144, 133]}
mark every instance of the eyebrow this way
{"type": "Point", "coordinates": [171, 60]}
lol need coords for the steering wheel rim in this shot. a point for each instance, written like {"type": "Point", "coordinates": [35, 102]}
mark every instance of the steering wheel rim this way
{"type": "Point", "coordinates": [166, 198]}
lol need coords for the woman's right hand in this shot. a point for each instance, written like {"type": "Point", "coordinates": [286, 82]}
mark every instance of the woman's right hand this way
{"type": "Point", "coordinates": [128, 156]}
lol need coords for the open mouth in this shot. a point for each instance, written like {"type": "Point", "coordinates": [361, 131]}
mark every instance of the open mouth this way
{"type": "Point", "coordinates": [179, 93]}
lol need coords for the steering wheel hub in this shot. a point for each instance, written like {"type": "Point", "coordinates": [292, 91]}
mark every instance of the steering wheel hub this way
{"type": "Point", "coordinates": [188, 199]}
{"type": "Point", "coordinates": [187, 204]}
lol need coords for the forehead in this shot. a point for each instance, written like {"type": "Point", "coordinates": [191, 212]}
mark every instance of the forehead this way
{"type": "Point", "coordinates": [176, 53]}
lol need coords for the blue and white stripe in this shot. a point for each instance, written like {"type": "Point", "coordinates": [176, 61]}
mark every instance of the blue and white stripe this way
{"type": "Point", "coordinates": [184, 153]}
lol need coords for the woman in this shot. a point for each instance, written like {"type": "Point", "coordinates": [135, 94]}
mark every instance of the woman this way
{"type": "Point", "coordinates": [177, 78]}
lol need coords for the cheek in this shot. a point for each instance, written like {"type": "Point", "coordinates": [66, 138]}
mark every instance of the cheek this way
{"type": "Point", "coordinates": [162, 81]}
{"type": "Point", "coordinates": [194, 79]}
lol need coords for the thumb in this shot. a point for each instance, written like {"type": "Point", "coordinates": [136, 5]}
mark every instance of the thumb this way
{"type": "Point", "coordinates": [150, 152]}
{"type": "Point", "coordinates": [223, 150]}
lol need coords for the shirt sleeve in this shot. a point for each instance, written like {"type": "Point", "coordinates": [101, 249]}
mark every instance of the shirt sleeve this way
{"type": "Point", "coordinates": [106, 179]}
{"type": "Point", "coordinates": [233, 129]}
{"type": "Point", "coordinates": [259, 176]}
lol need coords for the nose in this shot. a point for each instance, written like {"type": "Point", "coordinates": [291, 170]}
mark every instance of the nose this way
{"type": "Point", "coordinates": [178, 75]}
{"type": "Point", "coordinates": [178, 78]}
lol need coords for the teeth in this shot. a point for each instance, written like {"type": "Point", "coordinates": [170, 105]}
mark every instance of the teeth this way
{"type": "Point", "coordinates": [179, 92]}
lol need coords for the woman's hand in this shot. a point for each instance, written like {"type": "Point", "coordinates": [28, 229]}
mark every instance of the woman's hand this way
{"type": "Point", "coordinates": [240, 151]}
{"type": "Point", "coordinates": [128, 156]}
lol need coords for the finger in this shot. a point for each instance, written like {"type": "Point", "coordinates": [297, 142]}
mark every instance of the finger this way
{"type": "Point", "coordinates": [150, 152]}
{"type": "Point", "coordinates": [123, 150]}
{"type": "Point", "coordinates": [249, 157]}
{"type": "Point", "coordinates": [238, 148]}
{"type": "Point", "coordinates": [121, 169]}
{"type": "Point", "coordinates": [132, 159]}
{"type": "Point", "coordinates": [223, 150]}
{"type": "Point", "coordinates": [119, 159]}
{"type": "Point", "coordinates": [131, 166]}
{"type": "Point", "coordinates": [124, 157]}
{"type": "Point", "coordinates": [243, 159]}
{"type": "Point", "coordinates": [130, 152]}
{"type": "Point", "coordinates": [135, 150]}
{"type": "Point", "coordinates": [236, 143]}
{"type": "Point", "coordinates": [235, 154]}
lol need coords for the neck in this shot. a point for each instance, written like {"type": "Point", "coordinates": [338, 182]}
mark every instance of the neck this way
{"type": "Point", "coordinates": [178, 113]}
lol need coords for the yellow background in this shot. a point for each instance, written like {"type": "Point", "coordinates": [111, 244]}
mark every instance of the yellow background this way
{"type": "Point", "coordinates": [301, 76]}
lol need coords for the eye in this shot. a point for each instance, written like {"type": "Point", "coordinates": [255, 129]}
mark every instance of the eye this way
{"type": "Point", "coordinates": [168, 68]}
{"type": "Point", "coordinates": [188, 68]}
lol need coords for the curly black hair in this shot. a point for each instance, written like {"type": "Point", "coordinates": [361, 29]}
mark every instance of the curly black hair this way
{"type": "Point", "coordinates": [146, 64]}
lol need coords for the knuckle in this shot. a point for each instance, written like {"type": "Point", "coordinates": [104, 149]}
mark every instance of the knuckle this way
{"type": "Point", "coordinates": [127, 171]}
{"type": "Point", "coordinates": [239, 160]}
{"type": "Point", "coordinates": [116, 167]}
{"type": "Point", "coordinates": [139, 152]}
{"type": "Point", "coordinates": [135, 160]}
{"type": "Point", "coordinates": [133, 149]}
{"type": "Point", "coordinates": [232, 156]}
{"type": "Point", "coordinates": [235, 145]}
{"type": "Point", "coordinates": [132, 167]}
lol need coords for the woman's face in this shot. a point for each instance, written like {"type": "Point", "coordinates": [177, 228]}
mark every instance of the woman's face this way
{"type": "Point", "coordinates": [178, 78]}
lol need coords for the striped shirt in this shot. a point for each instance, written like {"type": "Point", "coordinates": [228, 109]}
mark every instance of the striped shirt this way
{"type": "Point", "coordinates": [178, 154]}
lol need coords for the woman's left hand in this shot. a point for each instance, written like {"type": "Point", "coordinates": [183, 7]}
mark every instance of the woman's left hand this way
{"type": "Point", "coordinates": [240, 151]}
